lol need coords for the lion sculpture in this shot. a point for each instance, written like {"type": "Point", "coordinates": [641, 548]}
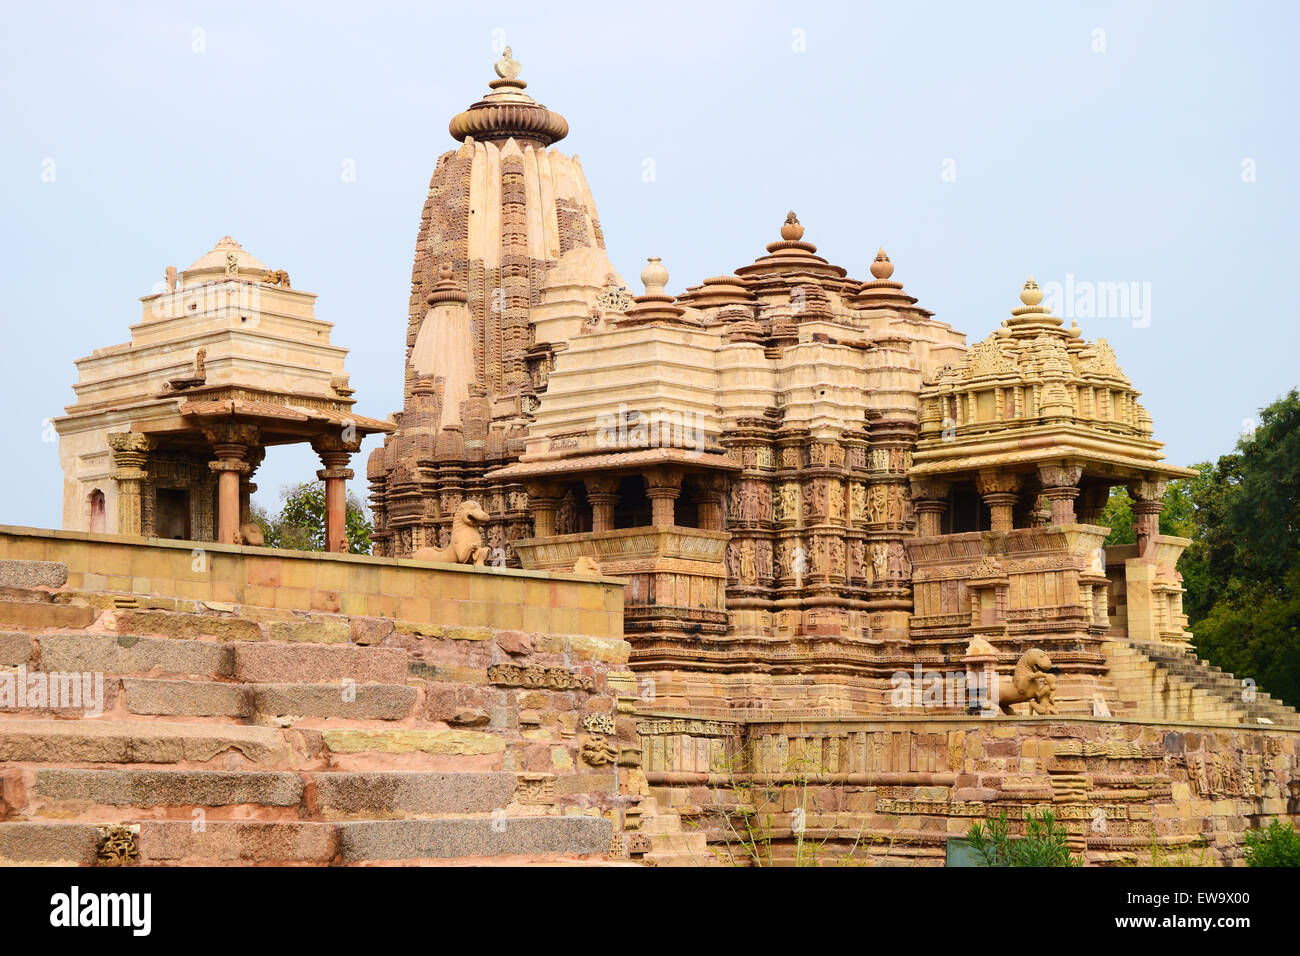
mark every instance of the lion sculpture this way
{"type": "Point", "coordinates": [1032, 682]}
{"type": "Point", "coordinates": [466, 545]}
{"type": "Point", "coordinates": [586, 565]}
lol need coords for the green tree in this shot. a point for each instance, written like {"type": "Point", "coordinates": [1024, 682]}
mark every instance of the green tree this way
{"type": "Point", "coordinates": [300, 525]}
{"type": "Point", "coordinates": [1242, 571]}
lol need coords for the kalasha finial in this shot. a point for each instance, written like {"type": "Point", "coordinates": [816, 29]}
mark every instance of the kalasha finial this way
{"type": "Point", "coordinates": [507, 67]}
{"type": "Point", "coordinates": [791, 231]}
{"type": "Point", "coordinates": [1031, 295]}
{"type": "Point", "coordinates": [446, 289]}
{"type": "Point", "coordinates": [654, 276]}
{"type": "Point", "coordinates": [881, 267]}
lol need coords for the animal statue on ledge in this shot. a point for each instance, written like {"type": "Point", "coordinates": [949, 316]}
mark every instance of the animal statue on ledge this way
{"type": "Point", "coordinates": [251, 534]}
{"type": "Point", "coordinates": [586, 565]}
{"type": "Point", "coordinates": [466, 545]}
{"type": "Point", "coordinates": [1030, 683]}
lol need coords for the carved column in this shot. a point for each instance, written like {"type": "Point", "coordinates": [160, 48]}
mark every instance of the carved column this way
{"type": "Point", "coordinates": [1060, 488]}
{"type": "Point", "coordinates": [663, 485]}
{"type": "Point", "coordinates": [1000, 491]}
{"type": "Point", "coordinates": [602, 492]}
{"type": "Point", "coordinates": [543, 501]}
{"type": "Point", "coordinates": [130, 456]}
{"type": "Point", "coordinates": [1092, 502]}
{"type": "Point", "coordinates": [1148, 501]}
{"type": "Point", "coordinates": [712, 503]}
{"type": "Point", "coordinates": [230, 446]}
{"type": "Point", "coordinates": [335, 452]}
{"type": "Point", "coordinates": [930, 499]}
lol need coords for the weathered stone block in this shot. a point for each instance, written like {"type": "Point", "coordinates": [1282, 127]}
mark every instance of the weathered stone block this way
{"type": "Point", "coordinates": [444, 839]}
{"type": "Point", "coordinates": [161, 788]}
{"type": "Point", "coordinates": [355, 702]}
{"type": "Point", "coordinates": [32, 574]}
{"type": "Point", "coordinates": [190, 698]}
{"type": "Point", "coordinates": [132, 655]}
{"type": "Point", "coordinates": [413, 792]}
{"type": "Point", "coordinates": [309, 663]}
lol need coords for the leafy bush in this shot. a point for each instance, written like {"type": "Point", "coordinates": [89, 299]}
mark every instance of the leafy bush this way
{"type": "Point", "coordinates": [300, 526]}
{"type": "Point", "coordinates": [1278, 844]}
{"type": "Point", "coordinates": [1044, 842]}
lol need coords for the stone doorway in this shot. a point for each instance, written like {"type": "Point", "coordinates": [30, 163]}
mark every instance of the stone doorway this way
{"type": "Point", "coordinates": [172, 514]}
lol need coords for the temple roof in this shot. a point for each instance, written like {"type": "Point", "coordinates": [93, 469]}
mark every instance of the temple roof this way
{"type": "Point", "coordinates": [215, 258]}
{"type": "Point", "coordinates": [509, 113]}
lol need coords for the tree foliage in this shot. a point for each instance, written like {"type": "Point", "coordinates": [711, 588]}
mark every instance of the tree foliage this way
{"type": "Point", "coordinates": [1278, 844]}
{"type": "Point", "coordinates": [300, 525]}
{"type": "Point", "coordinates": [1242, 569]}
{"type": "Point", "coordinates": [1044, 842]}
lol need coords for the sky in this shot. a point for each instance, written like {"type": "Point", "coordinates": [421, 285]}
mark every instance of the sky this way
{"type": "Point", "coordinates": [1143, 149]}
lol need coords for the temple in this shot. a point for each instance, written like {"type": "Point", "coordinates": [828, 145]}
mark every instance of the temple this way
{"type": "Point", "coordinates": [808, 481]}
{"type": "Point", "coordinates": [168, 429]}
{"type": "Point", "coordinates": [772, 563]}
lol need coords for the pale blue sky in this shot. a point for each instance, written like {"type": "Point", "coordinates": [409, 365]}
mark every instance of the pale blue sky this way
{"type": "Point", "coordinates": [1117, 166]}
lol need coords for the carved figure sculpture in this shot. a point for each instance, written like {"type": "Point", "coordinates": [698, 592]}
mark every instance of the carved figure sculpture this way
{"type": "Point", "coordinates": [586, 565]}
{"type": "Point", "coordinates": [466, 545]}
{"type": "Point", "coordinates": [1032, 682]}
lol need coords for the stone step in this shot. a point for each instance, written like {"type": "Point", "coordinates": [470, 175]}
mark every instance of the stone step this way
{"type": "Point", "coordinates": [411, 792]}
{"type": "Point", "coordinates": [348, 701]}
{"type": "Point", "coordinates": [69, 844]}
{"type": "Point", "coordinates": [36, 616]}
{"type": "Point", "coordinates": [26, 594]}
{"type": "Point", "coordinates": [268, 663]}
{"type": "Point", "coordinates": [115, 741]}
{"type": "Point", "coordinates": [153, 656]}
{"type": "Point", "coordinates": [28, 575]}
{"type": "Point", "coordinates": [178, 842]}
{"type": "Point", "coordinates": [334, 795]}
{"type": "Point", "coordinates": [178, 625]}
{"type": "Point", "coordinates": [187, 698]}
{"type": "Point", "coordinates": [168, 788]}
{"type": "Point", "coordinates": [441, 839]}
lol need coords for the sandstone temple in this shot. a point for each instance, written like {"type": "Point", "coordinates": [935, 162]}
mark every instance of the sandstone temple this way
{"type": "Point", "coordinates": [781, 545]}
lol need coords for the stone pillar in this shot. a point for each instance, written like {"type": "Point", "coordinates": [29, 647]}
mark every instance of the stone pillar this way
{"type": "Point", "coordinates": [1060, 488]}
{"type": "Point", "coordinates": [543, 501]}
{"type": "Point", "coordinates": [713, 513]}
{"type": "Point", "coordinates": [1148, 501]}
{"type": "Point", "coordinates": [663, 485]}
{"type": "Point", "coordinates": [930, 499]}
{"type": "Point", "coordinates": [602, 492]}
{"type": "Point", "coordinates": [230, 446]}
{"type": "Point", "coordinates": [335, 452]}
{"type": "Point", "coordinates": [1000, 491]}
{"type": "Point", "coordinates": [1092, 502]}
{"type": "Point", "coordinates": [130, 456]}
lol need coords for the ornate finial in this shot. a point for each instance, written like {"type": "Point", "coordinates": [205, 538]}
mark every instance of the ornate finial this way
{"type": "Point", "coordinates": [1031, 295]}
{"type": "Point", "coordinates": [881, 267]}
{"type": "Point", "coordinates": [792, 231]}
{"type": "Point", "coordinates": [509, 113]}
{"type": "Point", "coordinates": [446, 289]}
{"type": "Point", "coordinates": [507, 67]}
{"type": "Point", "coordinates": [654, 277]}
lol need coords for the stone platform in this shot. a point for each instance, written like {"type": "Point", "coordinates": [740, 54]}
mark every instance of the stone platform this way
{"type": "Point", "coordinates": [248, 706]}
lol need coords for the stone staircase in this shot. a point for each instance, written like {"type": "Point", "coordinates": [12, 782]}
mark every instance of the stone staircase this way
{"type": "Point", "coordinates": [1169, 682]}
{"type": "Point", "coordinates": [232, 734]}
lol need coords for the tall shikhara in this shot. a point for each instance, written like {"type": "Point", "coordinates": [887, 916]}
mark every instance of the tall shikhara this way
{"type": "Point", "coordinates": [501, 212]}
